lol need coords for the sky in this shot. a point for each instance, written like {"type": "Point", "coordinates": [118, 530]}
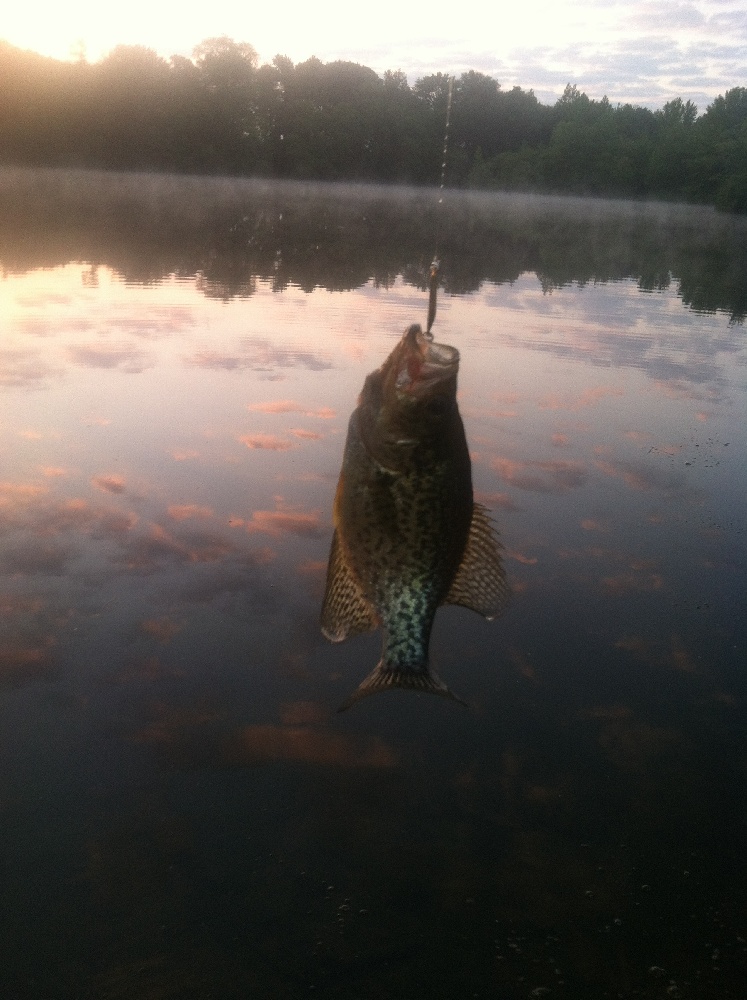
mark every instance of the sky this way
{"type": "Point", "coordinates": [639, 51]}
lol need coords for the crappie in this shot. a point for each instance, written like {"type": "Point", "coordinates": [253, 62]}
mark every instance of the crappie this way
{"type": "Point", "coordinates": [408, 536]}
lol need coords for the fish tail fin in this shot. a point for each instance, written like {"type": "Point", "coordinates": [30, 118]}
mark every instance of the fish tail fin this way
{"type": "Point", "coordinates": [384, 678]}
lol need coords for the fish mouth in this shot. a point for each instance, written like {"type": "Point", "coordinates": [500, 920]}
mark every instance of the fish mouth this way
{"type": "Point", "coordinates": [425, 363]}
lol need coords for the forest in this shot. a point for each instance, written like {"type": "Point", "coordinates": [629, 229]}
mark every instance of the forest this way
{"type": "Point", "coordinates": [222, 113]}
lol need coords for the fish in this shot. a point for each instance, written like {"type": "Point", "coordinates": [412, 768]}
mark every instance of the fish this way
{"type": "Point", "coordinates": [408, 536]}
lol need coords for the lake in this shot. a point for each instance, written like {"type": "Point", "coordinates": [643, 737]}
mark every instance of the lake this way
{"type": "Point", "coordinates": [183, 811]}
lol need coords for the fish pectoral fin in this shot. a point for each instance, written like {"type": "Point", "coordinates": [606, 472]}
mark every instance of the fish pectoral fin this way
{"type": "Point", "coordinates": [480, 583]}
{"type": "Point", "coordinates": [345, 610]}
{"type": "Point", "coordinates": [385, 678]}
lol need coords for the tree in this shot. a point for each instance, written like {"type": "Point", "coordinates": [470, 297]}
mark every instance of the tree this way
{"type": "Point", "coordinates": [225, 64]}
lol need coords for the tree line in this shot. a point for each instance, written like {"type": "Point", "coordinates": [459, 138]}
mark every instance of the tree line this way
{"type": "Point", "coordinates": [222, 113]}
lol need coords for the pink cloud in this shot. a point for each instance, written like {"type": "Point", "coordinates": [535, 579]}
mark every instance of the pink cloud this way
{"type": "Point", "coordinates": [269, 442]}
{"type": "Point", "coordinates": [20, 491]}
{"type": "Point", "coordinates": [188, 511]}
{"type": "Point", "coordinates": [303, 744]}
{"type": "Point", "coordinates": [303, 713]}
{"type": "Point", "coordinates": [18, 604]}
{"type": "Point", "coordinates": [301, 432]}
{"type": "Point", "coordinates": [276, 406]}
{"type": "Point", "coordinates": [22, 662]}
{"type": "Point", "coordinates": [291, 406]}
{"type": "Point", "coordinates": [501, 501]}
{"type": "Point", "coordinates": [521, 558]}
{"type": "Point", "coordinates": [278, 522]}
{"type": "Point", "coordinates": [162, 629]}
{"type": "Point", "coordinates": [109, 484]}
{"type": "Point", "coordinates": [590, 397]}
{"type": "Point", "coordinates": [628, 583]}
{"type": "Point", "coordinates": [285, 520]}
{"type": "Point", "coordinates": [636, 479]}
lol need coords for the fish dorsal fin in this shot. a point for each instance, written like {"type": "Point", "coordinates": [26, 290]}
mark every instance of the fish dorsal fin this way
{"type": "Point", "coordinates": [345, 610]}
{"type": "Point", "coordinates": [480, 582]}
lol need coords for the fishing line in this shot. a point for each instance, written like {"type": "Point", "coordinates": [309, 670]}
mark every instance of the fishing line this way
{"type": "Point", "coordinates": [436, 263]}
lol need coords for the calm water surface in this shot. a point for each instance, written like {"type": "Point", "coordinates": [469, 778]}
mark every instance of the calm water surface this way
{"type": "Point", "coordinates": [183, 813]}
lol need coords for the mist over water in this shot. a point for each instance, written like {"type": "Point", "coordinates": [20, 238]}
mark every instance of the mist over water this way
{"type": "Point", "coordinates": [182, 811]}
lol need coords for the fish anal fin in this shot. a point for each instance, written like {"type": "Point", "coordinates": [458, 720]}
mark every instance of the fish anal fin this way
{"type": "Point", "coordinates": [385, 678]}
{"type": "Point", "coordinates": [480, 582]}
{"type": "Point", "coordinates": [345, 610]}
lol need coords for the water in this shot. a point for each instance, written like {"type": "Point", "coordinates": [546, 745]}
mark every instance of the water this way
{"type": "Point", "coordinates": [183, 812]}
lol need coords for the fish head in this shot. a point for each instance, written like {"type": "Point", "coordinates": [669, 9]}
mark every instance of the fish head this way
{"type": "Point", "coordinates": [418, 369]}
{"type": "Point", "coordinates": [410, 402]}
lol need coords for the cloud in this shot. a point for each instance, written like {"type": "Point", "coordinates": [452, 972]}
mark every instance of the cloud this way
{"type": "Point", "coordinates": [162, 629]}
{"type": "Point", "coordinates": [500, 501]}
{"type": "Point", "coordinates": [304, 713]}
{"type": "Point", "coordinates": [590, 524]}
{"type": "Point", "coordinates": [588, 398]}
{"type": "Point", "coordinates": [638, 581]}
{"type": "Point", "coordinates": [674, 15]}
{"type": "Point", "coordinates": [188, 511]}
{"type": "Point", "coordinates": [109, 484]}
{"type": "Point", "coordinates": [30, 509]}
{"type": "Point", "coordinates": [291, 406]}
{"type": "Point", "coordinates": [313, 567]}
{"type": "Point", "coordinates": [640, 477]}
{"type": "Point", "coordinates": [148, 669]}
{"type": "Point", "coordinates": [635, 747]}
{"type": "Point", "coordinates": [39, 326]}
{"type": "Point", "coordinates": [22, 662]}
{"type": "Point", "coordinates": [216, 581]}
{"type": "Point", "coordinates": [277, 406]}
{"type": "Point", "coordinates": [26, 370]}
{"type": "Point", "coordinates": [35, 558]}
{"type": "Point", "coordinates": [201, 736]}
{"type": "Point", "coordinates": [671, 654]}
{"type": "Point", "coordinates": [306, 435]}
{"type": "Point", "coordinates": [521, 558]}
{"type": "Point", "coordinates": [281, 522]}
{"type": "Point", "coordinates": [266, 442]}
{"type": "Point", "coordinates": [39, 300]}
{"type": "Point", "coordinates": [541, 477]}
{"type": "Point", "coordinates": [300, 744]}
{"type": "Point", "coordinates": [642, 60]}
{"type": "Point", "coordinates": [284, 520]}
{"type": "Point", "coordinates": [157, 546]}
{"type": "Point", "coordinates": [259, 354]}
{"type": "Point", "coordinates": [19, 604]}
{"type": "Point", "coordinates": [122, 356]}
{"type": "Point", "coordinates": [155, 322]}
{"type": "Point", "coordinates": [314, 572]}
{"type": "Point", "coordinates": [13, 492]}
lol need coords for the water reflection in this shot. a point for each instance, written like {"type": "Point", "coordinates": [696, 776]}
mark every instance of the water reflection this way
{"type": "Point", "coordinates": [408, 535]}
{"type": "Point", "coordinates": [182, 810]}
{"type": "Point", "coordinates": [227, 234]}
